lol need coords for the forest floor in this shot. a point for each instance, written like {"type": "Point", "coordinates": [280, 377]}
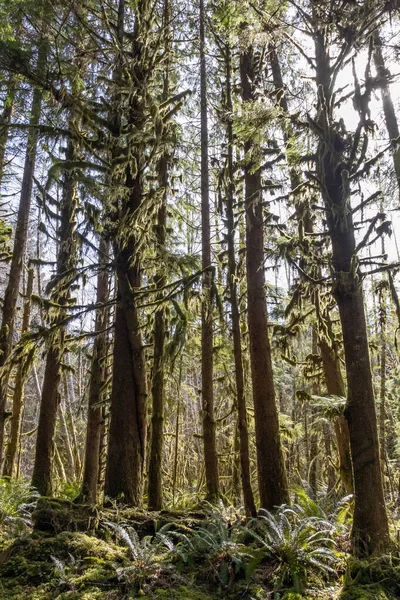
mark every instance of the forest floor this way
{"type": "Point", "coordinates": [76, 552]}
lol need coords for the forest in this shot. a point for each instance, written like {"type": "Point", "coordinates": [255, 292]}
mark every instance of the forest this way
{"type": "Point", "coordinates": [199, 300]}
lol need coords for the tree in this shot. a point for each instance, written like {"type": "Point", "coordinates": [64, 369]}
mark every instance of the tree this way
{"type": "Point", "coordinates": [154, 494]}
{"type": "Point", "coordinates": [207, 393]}
{"type": "Point", "coordinates": [272, 480]}
{"type": "Point", "coordinates": [334, 169]}
{"type": "Point", "coordinates": [21, 233]}
{"type": "Point", "coordinates": [97, 382]}
{"type": "Point", "coordinates": [60, 288]}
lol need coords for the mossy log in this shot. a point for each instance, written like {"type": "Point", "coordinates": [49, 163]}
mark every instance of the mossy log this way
{"type": "Point", "coordinates": [55, 515]}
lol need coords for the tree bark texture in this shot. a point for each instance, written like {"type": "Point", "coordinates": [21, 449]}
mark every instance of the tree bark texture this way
{"type": "Point", "coordinates": [97, 382]}
{"type": "Point", "coordinates": [244, 453]}
{"type": "Point", "coordinates": [207, 391]}
{"type": "Point", "coordinates": [271, 469]}
{"type": "Point", "coordinates": [60, 294]}
{"type": "Point", "coordinates": [18, 397]}
{"type": "Point", "coordinates": [370, 526]}
{"type": "Point", "coordinates": [127, 435]}
{"type": "Point", "coordinates": [21, 234]}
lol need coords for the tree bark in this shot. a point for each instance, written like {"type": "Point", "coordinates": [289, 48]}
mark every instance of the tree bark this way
{"type": "Point", "coordinates": [60, 295]}
{"type": "Point", "coordinates": [370, 526]}
{"type": "Point", "coordinates": [21, 234]}
{"type": "Point", "coordinates": [97, 381]}
{"type": "Point", "coordinates": [127, 436]}
{"type": "Point", "coordinates": [18, 397]}
{"type": "Point", "coordinates": [388, 108]}
{"type": "Point", "coordinates": [209, 439]}
{"type": "Point", "coordinates": [272, 479]}
{"type": "Point", "coordinates": [244, 453]}
{"type": "Point", "coordinates": [154, 492]}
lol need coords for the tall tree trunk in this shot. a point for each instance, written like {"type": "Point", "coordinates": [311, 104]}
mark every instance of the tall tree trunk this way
{"type": "Point", "coordinates": [127, 436]}
{"type": "Point", "coordinates": [18, 397]}
{"type": "Point", "coordinates": [60, 295]}
{"type": "Point", "coordinates": [330, 359]}
{"type": "Point", "coordinates": [154, 492]}
{"type": "Point", "coordinates": [388, 108]}
{"type": "Point", "coordinates": [272, 479]}
{"type": "Point", "coordinates": [370, 526]}
{"type": "Point", "coordinates": [5, 121]}
{"type": "Point", "coordinates": [335, 387]}
{"type": "Point", "coordinates": [97, 382]}
{"type": "Point", "coordinates": [21, 234]}
{"type": "Point", "coordinates": [248, 497]}
{"type": "Point", "coordinates": [382, 304]}
{"type": "Point", "coordinates": [128, 419]}
{"type": "Point", "coordinates": [207, 393]}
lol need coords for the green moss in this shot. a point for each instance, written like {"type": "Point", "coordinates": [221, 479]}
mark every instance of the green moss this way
{"type": "Point", "coordinates": [62, 567]}
{"type": "Point", "coordinates": [369, 592]}
{"type": "Point", "coordinates": [383, 571]}
{"type": "Point", "coordinates": [295, 596]}
{"type": "Point", "coordinates": [180, 593]}
{"type": "Point", "coordinates": [54, 516]}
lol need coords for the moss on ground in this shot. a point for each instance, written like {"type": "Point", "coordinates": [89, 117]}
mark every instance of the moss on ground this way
{"type": "Point", "coordinates": [42, 567]}
{"type": "Point", "coordinates": [366, 592]}
{"type": "Point", "coordinates": [53, 515]}
{"type": "Point", "coordinates": [59, 561]}
{"type": "Point", "coordinates": [373, 579]}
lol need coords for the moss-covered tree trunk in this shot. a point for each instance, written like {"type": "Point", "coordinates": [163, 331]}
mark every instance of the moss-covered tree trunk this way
{"type": "Point", "coordinates": [244, 453]}
{"type": "Point", "coordinates": [19, 385]}
{"type": "Point", "coordinates": [387, 102]}
{"type": "Point", "coordinates": [60, 287]}
{"type": "Point", "coordinates": [207, 391]}
{"type": "Point", "coordinates": [128, 412]}
{"type": "Point", "coordinates": [5, 120]}
{"type": "Point", "coordinates": [97, 381]}
{"type": "Point", "coordinates": [272, 479]}
{"type": "Point", "coordinates": [329, 352]}
{"type": "Point", "coordinates": [370, 526]}
{"type": "Point", "coordinates": [20, 237]}
{"type": "Point", "coordinates": [335, 387]}
{"type": "Point", "coordinates": [154, 492]}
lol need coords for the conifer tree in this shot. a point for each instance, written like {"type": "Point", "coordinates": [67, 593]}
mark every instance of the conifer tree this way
{"type": "Point", "coordinates": [272, 479]}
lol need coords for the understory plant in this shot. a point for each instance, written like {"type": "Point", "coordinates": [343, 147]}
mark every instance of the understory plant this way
{"type": "Point", "coordinates": [149, 554]}
{"type": "Point", "coordinates": [17, 502]}
{"type": "Point", "coordinates": [298, 544]}
{"type": "Point", "coordinates": [215, 546]}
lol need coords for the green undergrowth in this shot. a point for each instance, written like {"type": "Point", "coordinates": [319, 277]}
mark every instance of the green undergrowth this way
{"type": "Point", "coordinates": [78, 552]}
{"type": "Point", "coordinates": [377, 578]}
{"type": "Point", "coordinates": [55, 515]}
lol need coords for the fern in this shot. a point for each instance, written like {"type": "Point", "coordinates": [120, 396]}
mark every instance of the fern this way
{"type": "Point", "coordinates": [148, 554]}
{"type": "Point", "coordinates": [17, 502]}
{"type": "Point", "coordinates": [215, 546]}
{"type": "Point", "coordinates": [299, 544]}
